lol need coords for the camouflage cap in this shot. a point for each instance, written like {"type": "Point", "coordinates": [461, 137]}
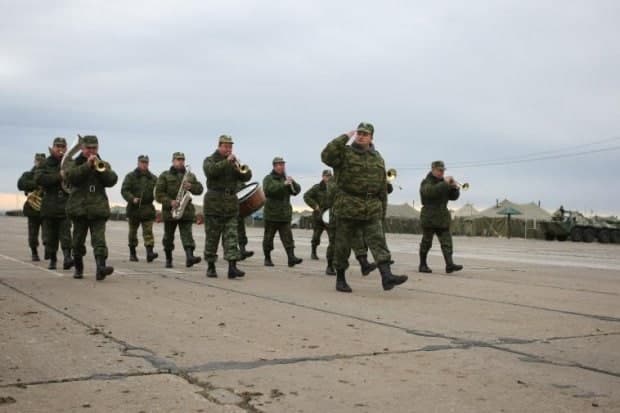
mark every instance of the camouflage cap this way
{"type": "Point", "coordinates": [143, 158]}
{"type": "Point", "coordinates": [178, 155]}
{"type": "Point", "coordinates": [438, 164]}
{"type": "Point", "coordinates": [366, 127]}
{"type": "Point", "coordinates": [90, 141]}
{"type": "Point", "coordinates": [225, 139]}
{"type": "Point", "coordinates": [327, 172]}
{"type": "Point", "coordinates": [278, 159]}
{"type": "Point", "coordinates": [60, 141]}
{"type": "Point", "coordinates": [39, 156]}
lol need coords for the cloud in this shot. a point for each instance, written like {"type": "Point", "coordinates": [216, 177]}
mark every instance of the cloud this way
{"type": "Point", "coordinates": [452, 81]}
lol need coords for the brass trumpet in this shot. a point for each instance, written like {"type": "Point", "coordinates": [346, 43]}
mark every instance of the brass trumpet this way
{"type": "Point", "coordinates": [100, 166]}
{"type": "Point", "coordinates": [391, 175]}
{"type": "Point", "coordinates": [242, 168]}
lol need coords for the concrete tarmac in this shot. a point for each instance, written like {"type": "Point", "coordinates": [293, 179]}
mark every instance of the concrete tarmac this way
{"type": "Point", "coordinates": [528, 326]}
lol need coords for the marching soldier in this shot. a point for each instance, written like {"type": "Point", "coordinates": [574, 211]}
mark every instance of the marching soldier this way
{"type": "Point", "coordinates": [138, 190]}
{"type": "Point", "coordinates": [56, 224]}
{"type": "Point", "coordinates": [362, 189]}
{"type": "Point", "coordinates": [88, 205]}
{"type": "Point", "coordinates": [31, 209]}
{"type": "Point", "coordinates": [435, 192]}
{"type": "Point", "coordinates": [242, 236]}
{"type": "Point", "coordinates": [166, 191]}
{"type": "Point", "coordinates": [278, 188]}
{"type": "Point", "coordinates": [316, 198]}
{"type": "Point", "coordinates": [221, 207]}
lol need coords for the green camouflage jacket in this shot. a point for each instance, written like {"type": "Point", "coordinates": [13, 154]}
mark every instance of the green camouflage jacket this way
{"type": "Point", "coordinates": [223, 182]}
{"type": "Point", "coordinates": [88, 196]}
{"type": "Point", "coordinates": [435, 194]}
{"type": "Point", "coordinates": [361, 184]}
{"type": "Point", "coordinates": [138, 184]}
{"type": "Point", "coordinates": [54, 203]}
{"type": "Point", "coordinates": [167, 188]}
{"type": "Point", "coordinates": [278, 204]}
{"type": "Point", "coordinates": [316, 197]}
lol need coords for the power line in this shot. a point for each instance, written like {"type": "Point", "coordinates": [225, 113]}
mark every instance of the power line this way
{"type": "Point", "coordinates": [537, 156]}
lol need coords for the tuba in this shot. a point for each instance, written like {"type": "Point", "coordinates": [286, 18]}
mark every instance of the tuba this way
{"type": "Point", "coordinates": [68, 157]}
{"type": "Point", "coordinates": [183, 197]}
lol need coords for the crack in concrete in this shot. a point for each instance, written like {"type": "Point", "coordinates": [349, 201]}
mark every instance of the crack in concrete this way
{"type": "Point", "coordinates": [92, 377]}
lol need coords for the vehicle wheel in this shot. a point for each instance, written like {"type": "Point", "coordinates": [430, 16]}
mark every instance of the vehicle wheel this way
{"type": "Point", "coordinates": [549, 236]}
{"type": "Point", "coordinates": [603, 236]}
{"type": "Point", "coordinates": [589, 235]}
{"type": "Point", "coordinates": [576, 235]}
{"type": "Point", "coordinates": [562, 238]}
{"type": "Point", "coordinates": [615, 237]}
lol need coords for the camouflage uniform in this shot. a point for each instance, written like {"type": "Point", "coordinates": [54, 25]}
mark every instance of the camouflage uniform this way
{"type": "Point", "coordinates": [89, 209]}
{"type": "Point", "coordinates": [278, 212]}
{"type": "Point", "coordinates": [316, 199]}
{"type": "Point", "coordinates": [166, 190]}
{"type": "Point", "coordinates": [358, 205]}
{"type": "Point", "coordinates": [221, 206]}
{"type": "Point", "coordinates": [435, 217]}
{"type": "Point", "coordinates": [28, 184]}
{"type": "Point", "coordinates": [53, 209]}
{"type": "Point", "coordinates": [139, 184]}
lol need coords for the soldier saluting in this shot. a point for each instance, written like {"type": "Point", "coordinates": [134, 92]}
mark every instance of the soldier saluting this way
{"type": "Point", "coordinates": [166, 191]}
{"type": "Point", "coordinates": [88, 205]}
{"type": "Point", "coordinates": [28, 184]}
{"type": "Point", "coordinates": [138, 190]}
{"type": "Point", "coordinates": [278, 211]}
{"type": "Point", "coordinates": [435, 192]}
{"type": "Point", "coordinates": [362, 190]}
{"type": "Point", "coordinates": [316, 198]}
{"type": "Point", "coordinates": [221, 207]}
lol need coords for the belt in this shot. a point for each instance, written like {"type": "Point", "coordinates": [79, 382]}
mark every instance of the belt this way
{"type": "Point", "coordinates": [222, 191]}
{"type": "Point", "coordinates": [363, 195]}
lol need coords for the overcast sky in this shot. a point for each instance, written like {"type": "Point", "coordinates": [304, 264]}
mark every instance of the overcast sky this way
{"type": "Point", "coordinates": [452, 80]}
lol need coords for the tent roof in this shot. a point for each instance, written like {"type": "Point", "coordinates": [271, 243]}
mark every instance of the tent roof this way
{"type": "Point", "coordinates": [528, 211]}
{"type": "Point", "coordinates": [466, 210]}
{"type": "Point", "coordinates": [402, 211]}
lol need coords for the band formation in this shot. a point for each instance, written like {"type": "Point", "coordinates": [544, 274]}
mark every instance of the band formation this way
{"type": "Point", "coordinates": [66, 200]}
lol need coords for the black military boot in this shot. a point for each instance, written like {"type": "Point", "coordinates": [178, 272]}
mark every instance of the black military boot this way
{"type": "Point", "coordinates": [168, 258]}
{"type": "Point", "coordinates": [268, 262]}
{"type": "Point", "coordinates": [150, 254]}
{"type": "Point", "coordinates": [35, 254]}
{"type": "Point", "coordinates": [423, 265]}
{"type": "Point", "coordinates": [365, 266]}
{"type": "Point", "coordinates": [133, 257]}
{"type": "Point", "coordinates": [53, 260]}
{"type": "Point", "coordinates": [450, 265]}
{"type": "Point", "coordinates": [78, 272]}
{"type": "Point", "coordinates": [67, 262]}
{"type": "Point", "coordinates": [389, 280]}
{"type": "Point", "coordinates": [330, 268]}
{"type": "Point", "coordinates": [313, 255]}
{"type": "Point", "coordinates": [211, 273]}
{"type": "Point", "coordinates": [103, 270]}
{"type": "Point", "coordinates": [233, 271]}
{"type": "Point", "coordinates": [245, 253]}
{"type": "Point", "coordinates": [292, 259]}
{"type": "Point", "coordinates": [341, 282]}
{"type": "Point", "coordinates": [190, 260]}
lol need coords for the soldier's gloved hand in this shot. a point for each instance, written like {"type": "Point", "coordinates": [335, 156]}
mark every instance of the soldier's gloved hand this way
{"type": "Point", "coordinates": [231, 158]}
{"type": "Point", "coordinates": [92, 159]}
{"type": "Point", "coordinates": [352, 133]}
{"type": "Point", "coordinates": [136, 200]}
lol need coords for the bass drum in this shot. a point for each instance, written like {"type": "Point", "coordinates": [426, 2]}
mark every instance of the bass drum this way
{"type": "Point", "coordinates": [251, 199]}
{"type": "Point", "coordinates": [325, 217]}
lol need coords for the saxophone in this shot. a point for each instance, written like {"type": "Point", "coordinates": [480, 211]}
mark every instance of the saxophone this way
{"type": "Point", "coordinates": [183, 197]}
